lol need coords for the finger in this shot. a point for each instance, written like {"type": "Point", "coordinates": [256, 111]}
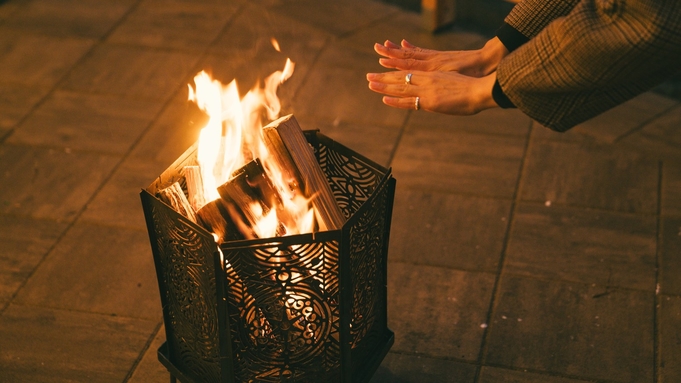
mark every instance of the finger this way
{"type": "Point", "coordinates": [382, 50]}
{"type": "Point", "coordinates": [387, 63]}
{"type": "Point", "coordinates": [407, 44]}
{"type": "Point", "coordinates": [401, 53]}
{"type": "Point", "coordinates": [401, 102]}
{"type": "Point", "coordinates": [391, 44]}
{"type": "Point", "coordinates": [396, 77]}
{"type": "Point", "coordinates": [397, 90]}
{"type": "Point", "coordinates": [426, 52]}
{"type": "Point", "coordinates": [406, 64]}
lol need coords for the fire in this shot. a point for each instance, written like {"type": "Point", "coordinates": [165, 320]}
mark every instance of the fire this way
{"type": "Point", "coordinates": [275, 44]}
{"type": "Point", "coordinates": [233, 136]}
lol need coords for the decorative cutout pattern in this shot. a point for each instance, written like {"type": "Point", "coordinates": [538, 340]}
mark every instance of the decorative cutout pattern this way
{"type": "Point", "coordinates": [367, 259]}
{"type": "Point", "coordinates": [351, 181]}
{"type": "Point", "coordinates": [187, 284]}
{"type": "Point", "coordinates": [286, 310]}
{"type": "Point", "coordinates": [354, 182]}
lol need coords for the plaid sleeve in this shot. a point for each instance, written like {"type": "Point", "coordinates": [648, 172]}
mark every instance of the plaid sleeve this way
{"type": "Point", "coordinates": [529, 17]}
{"type": "Point", "coordinates": [601, 54]}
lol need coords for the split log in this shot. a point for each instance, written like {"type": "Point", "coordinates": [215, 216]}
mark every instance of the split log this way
{"type": "Point", "coordinates": [192, 176]}
{"type": "Point", "coordinates": [287, 144]}
{"type": "Point", "coordinates": [250, 196]}
{"type": "Point", "coordinates": [214, 217]}
{"type": "Point", "coordinates": [174, 196]}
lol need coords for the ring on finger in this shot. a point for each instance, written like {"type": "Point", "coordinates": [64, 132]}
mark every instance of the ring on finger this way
{"type": "Point", "coordinates": [417, 103]}
{"type": "Point", "coordinates": [407, 79]}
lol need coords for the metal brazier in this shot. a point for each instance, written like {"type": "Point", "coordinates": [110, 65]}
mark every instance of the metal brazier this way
{"type": "Point", "coordinates": [303, 308]}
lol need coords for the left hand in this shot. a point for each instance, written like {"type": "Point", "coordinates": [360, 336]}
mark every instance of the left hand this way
{"type": "Point", "coordinates": [474, 63]}
{"type": "Point", "coordinates": [443, 92]}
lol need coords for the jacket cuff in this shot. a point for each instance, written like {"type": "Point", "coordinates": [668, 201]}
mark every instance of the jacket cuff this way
{"type": "Point", "coordinates": [510, 37]}
{"type": "Point", "coordinates": [500, 97]}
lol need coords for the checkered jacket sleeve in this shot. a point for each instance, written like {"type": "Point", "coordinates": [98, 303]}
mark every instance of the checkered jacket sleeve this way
{"type": "Point", "coordinates": [530, 17]}
{"type": "Point", "coordinates": [600, 54]}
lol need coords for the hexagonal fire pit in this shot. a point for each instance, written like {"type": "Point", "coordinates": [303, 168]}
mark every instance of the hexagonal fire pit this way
{"type": "Point", "coordinates": [300, 308]}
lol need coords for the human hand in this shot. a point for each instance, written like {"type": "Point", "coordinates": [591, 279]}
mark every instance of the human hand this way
{"type": "Point", "coordinates": [475, 63]}
{"type": "Point", "coordinates": [443, 92]}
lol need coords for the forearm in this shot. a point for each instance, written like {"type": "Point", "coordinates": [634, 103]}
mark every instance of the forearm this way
{"type": "Point", "coordinates": [484, 98]}
{"type": "Point", "coordinates": [491, 54]}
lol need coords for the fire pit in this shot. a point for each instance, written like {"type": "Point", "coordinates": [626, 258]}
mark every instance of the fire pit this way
{"type": "Point", "coordinates": [270, 246]}
{"type": "Point", "coordinates": [301, 308]}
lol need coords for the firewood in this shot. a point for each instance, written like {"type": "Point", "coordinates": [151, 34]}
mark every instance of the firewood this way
{"type": "Point", "coordinates": [215, 217]}
{"type": "Point", "coordinates": [288, 146]}
{"type": "Point", "coordinates": [174, 196]}
{"type": "Point", "coordinates": [192, 176]}
{"type": "Point", "coordinates": [279, 154]}
{"type": "Point", "coordinates": [249, 196]}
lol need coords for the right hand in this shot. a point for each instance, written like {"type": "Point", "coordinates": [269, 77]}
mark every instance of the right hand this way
{"type": "Point", "coordinates": [438, 91]}
{"type": "Point", "coordinates": [475, 63]}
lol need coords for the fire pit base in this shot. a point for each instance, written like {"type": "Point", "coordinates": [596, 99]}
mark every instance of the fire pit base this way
{"type": "Point", "coordinates": [361, 377]}
{"type": "Point", "coordinates": [304, 308]}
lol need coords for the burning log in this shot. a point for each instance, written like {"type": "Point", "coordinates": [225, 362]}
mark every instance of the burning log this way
{"type": "Point", "coordinates": [251, 198]}
{"type": "Point", "coordinates": [253, 204]}
{"type": "Point", "coordinates": [279, 196]}
{"type": "Point", "coordinates": [289, 148]}
{"type": "Point", "coordinates": [174, 196]}
{"type": "Point", "coordinates": [214, 217]}
{"type": "Point", "coordinates": [192, 176]}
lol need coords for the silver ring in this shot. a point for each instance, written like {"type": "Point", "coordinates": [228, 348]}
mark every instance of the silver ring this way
{"type": "Point", "coordinates": [407, 79]}
{"type": "Point", "coordinates": [417, 106]}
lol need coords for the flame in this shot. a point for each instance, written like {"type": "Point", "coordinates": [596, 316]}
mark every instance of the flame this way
{"type": "Point", "coordinates": [233, 136]}
{"type": "Point", "coordinates": [267, 226]}
{"type": "Point", "coordinates": [219, 153]}
{"type": "Point", "coordinates": [275, 44]}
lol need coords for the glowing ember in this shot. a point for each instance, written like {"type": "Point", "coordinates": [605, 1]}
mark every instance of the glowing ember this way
{"type": "Point", "coordinates": [275, 44]}
{"type": "Point", "coordinates": [233, 136]}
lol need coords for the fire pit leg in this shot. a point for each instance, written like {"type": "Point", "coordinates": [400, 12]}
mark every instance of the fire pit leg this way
{"type": "Point", "coordinates": [172, 379]}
